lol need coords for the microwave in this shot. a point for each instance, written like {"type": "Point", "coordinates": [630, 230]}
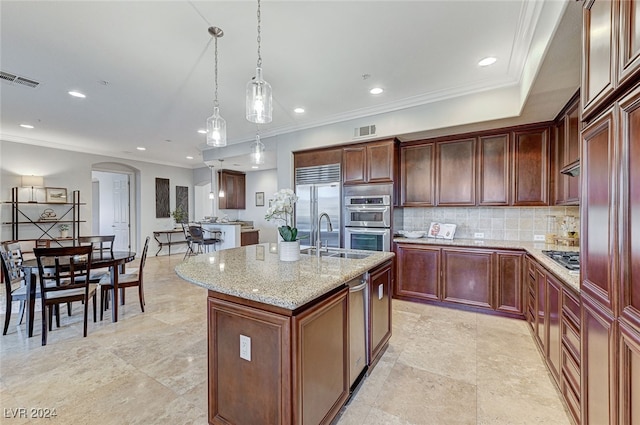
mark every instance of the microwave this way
{"type": "Point", "coordinates": [367, 211]}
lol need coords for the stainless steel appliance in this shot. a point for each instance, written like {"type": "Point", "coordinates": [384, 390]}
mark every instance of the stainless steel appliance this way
{"type": "Point", "coordinates": [568, 259]}
{"type": "Point", "coordinates": [318, 190]}
{"type": "Point", "coordinates": [358, 328]}
{"type": "Point", "coordinates": [367, 216]}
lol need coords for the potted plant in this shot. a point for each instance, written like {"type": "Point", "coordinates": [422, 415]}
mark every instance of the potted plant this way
{"type": "Point", "coordinates": [64, 230]}
{"type": "Point", "coordinates": [281, 209]}
{"type": "Point", "coordinates": [179, 216]}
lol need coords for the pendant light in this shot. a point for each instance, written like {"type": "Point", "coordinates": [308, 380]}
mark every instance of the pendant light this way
{"type": "Point", "coordinates": [257, 151]}
{"type": "Point", "coordinates": [259, 106]}
{"type": "Point", "coordinates": [211, 194]}
{"type": "Point", "coordinates": [216, 125]}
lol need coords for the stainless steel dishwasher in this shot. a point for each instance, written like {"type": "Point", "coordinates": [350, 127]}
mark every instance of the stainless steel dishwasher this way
{"type": "Point", "coordinates": [358, 327]}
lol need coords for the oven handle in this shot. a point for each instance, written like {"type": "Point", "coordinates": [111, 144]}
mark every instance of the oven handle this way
{"type": "Point", "coordinates": [365, 208]}
{"type": "Point", "coordinates": [373, 232]}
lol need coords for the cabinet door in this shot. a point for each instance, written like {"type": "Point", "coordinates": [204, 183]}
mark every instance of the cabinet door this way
{"type": "Point", "coordinates": [380, 311]}
{"type": "Point", "coordinates": [553, 331]}
{"type": "Point", "coordinates": [493, 170]}
{"type": "Point", "coordinates": [629, 43]}
{"type": "Point", "coordinates": [630, 209]}
{"type": "Point", "coordinates": [598, 50]}
{"type": "Point", "coordinates": [509, 289]}
{"type": "Point", "coordinates": [418, 272]}
{"type": "Point", "coordinates": [417, 175]}
{"type": "Point", "coordinates": [629, 375]}
{"type": "Point", "coordinates": [531, 167]}
{"type": "Point", "coordinates": [456, 168]}
{"type": "Point", "coordinates": [354, 163]}
{"type": "Point", "coordinates": [317, 157]}
{"type": "Point", "coordinates": [599, 370]}
{"type": "Point", "coordinates": [467, 277]}
{"type": "Point", "coordinates": [572, 153]}
{"type": "Point", "coordinates": [597, 214]}
{"type": "Point", "coordinates": [240, 193]}
{"type": "Point", "coordinates": [380, 162]}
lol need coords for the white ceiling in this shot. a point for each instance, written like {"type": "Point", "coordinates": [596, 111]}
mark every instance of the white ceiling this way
{"type": "Point", "coordinates": [147, 66]}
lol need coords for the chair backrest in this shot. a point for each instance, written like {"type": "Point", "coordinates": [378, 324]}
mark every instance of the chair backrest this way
{"type": "Point", "coordinates": [196, 233]}
{"type": "Point", "coordinates": [11, 261]}
{"type": "Point", "coordinates": [67, 267]}
{"type": "Point", "coordinates": [103, 244]}
{"type": "Point", "coordinates": [143, 259]}
{"type": "Point", "coordinates": [185, 230]}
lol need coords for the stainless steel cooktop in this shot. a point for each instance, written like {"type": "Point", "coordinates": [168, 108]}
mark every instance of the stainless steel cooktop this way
{"type": "Point", "coordinates": [568, 259]}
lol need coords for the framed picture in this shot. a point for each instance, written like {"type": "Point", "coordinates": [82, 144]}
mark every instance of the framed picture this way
{"type": "Point", "coordinates": [259, 199]}
{"type": "Point", "coordinates": [56, 194]}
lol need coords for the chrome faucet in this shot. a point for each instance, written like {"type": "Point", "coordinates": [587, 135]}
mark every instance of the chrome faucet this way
{"type": "Point", "coordinates": [329, 229]}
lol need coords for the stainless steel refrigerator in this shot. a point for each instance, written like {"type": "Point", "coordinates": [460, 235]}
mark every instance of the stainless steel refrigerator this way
{"type": "Point", "coordinates": [318, 190]}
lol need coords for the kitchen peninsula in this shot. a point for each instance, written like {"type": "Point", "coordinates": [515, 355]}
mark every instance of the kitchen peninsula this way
{"type": "Point", "coordinates": [278, 331]}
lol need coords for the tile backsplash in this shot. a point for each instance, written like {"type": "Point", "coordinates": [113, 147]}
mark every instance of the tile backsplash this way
{"type": "Point", "coordinates": [502, 223]}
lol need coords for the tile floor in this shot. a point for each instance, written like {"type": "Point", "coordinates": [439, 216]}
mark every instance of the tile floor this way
{"type": "Point", "coordinates": [442, 366]}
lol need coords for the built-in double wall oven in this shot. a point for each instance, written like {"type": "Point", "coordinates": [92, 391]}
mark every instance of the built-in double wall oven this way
{"type": "Point", "coordinates": [367, 217]}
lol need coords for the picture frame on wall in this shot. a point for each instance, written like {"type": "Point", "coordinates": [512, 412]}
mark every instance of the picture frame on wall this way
{"type": "Point", "coordinates": [56, 195]}
{"type": "Point", "coordinates": [259, 199]}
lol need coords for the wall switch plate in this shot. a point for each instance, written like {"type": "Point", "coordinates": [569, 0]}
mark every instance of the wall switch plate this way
{"type": "Point", "coordinates": [245, 348]}
{"type": "Point", "coordinates": [380, 291]}
{"type": "Point", "coordinates": [478, 235]}
{"type": "Point", "coordinates": [538, 238]}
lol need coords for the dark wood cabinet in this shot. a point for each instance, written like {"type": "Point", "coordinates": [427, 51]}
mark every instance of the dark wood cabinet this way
{"type": "Point", "coordinates": [494, 175]}
{"type": "Point", "coordinates": [531, 167]}
{"type": "Point", "coordinates": [232, 183]}
{"type": "Point", "coordinates": [467, 277]}
{"type": "Point", "coordinates": [250, 237]}
{"type": "Point", "coordinates": [566, 152]}
{"type": "Point", "coordinates": [456, 172]}
{"type": "Point", "coordinates": [380, 281]}
{"type": "Point", "coordinates": [478, 278]}
{"type": "Point", "coordinates": [553, 323]}
{"type": "Point", "coordinates": [629, 375]}
{"type": "Point", "coordinates": [418, 272]}
{"type": "Point", "coordinates": [316, 157]}
{"type": "Point", "coordinates": [417, 175]}
{"type": "Point", "coordinates": [372, 162]}
{"type": "Point", "coordinates": [540, 327]}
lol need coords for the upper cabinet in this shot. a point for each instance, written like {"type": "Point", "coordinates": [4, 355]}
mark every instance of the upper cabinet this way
{"type": "Point", "coordinates": [566, 153]}
{"type": "Point", "coordinates": [493, 169]}
{"type": "Point", "coordinates": [316, 157]}
{"type": "Point", "coordinates": [417, 175]}
{"type": "Point", "coordinates": [611, 50]}
{"type": "Point", "coordinates": [456, 165]}
{"type": "Point", "coordinates": [372, 162]}
{"type": "Point", "coordinates": [232, 183]}
{"type": "Point", "coordinates": [531, 167]}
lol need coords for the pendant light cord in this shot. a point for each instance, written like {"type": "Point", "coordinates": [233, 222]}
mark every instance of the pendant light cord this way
{"type": "Point", "coordinates": [215, 101]}
{"type": "Point", "coordinates": [259, 38]}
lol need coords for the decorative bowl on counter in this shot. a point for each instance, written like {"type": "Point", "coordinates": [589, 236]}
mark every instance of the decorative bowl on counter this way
{"type": "Point", "coordinates": [415, 234]}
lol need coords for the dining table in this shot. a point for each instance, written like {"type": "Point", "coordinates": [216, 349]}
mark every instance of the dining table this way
{"type": "Point", "coordinates": [113, 260]}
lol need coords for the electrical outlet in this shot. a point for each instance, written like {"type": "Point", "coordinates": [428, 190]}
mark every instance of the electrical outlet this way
{"type": "Point", "coordinates": [245, 348]}
{"type": "Point", "coordinates": [538, 238]}
{"type": "Point", "coordinates": [380, 291]}
{"type": "Point", "coordinates": [478, 235]}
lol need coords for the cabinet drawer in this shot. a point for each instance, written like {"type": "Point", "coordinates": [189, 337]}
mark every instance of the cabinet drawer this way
{"type": "Point", "coordinates": [572, 400]}
{"type": "Point", "coordinates": [571, 338]}
{"type": "Point", "coordinates": [571, 308]}
{"type": "Point", "coordinates": [570, 370]}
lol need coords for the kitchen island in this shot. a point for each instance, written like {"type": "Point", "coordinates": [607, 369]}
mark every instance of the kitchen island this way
{"type": "Point", "coordinates": [278, 331]}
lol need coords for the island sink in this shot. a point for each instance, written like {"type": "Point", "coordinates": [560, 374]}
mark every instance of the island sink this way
{"type": "Point", "coordinates": [336, 253]}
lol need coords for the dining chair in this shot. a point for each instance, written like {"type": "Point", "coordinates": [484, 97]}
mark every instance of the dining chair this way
{"type": "Point", "coordinates": [125, 280]}
{"type": "Point", "coordinates": [189, 239]}
{"type": "Point", "coordinates": [64, 277]}
{"type": "Point", "coordinates": [102, 245]}
{"type": "Point", "coordinates": [15, 287]}
{"type": "Point", "coordinates": [197, 237]}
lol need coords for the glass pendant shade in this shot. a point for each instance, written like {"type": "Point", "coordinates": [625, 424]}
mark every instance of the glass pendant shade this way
{"type": "Point", "coordinates": [259, 104]}
{"type": "Point", "coordinates": [216, 129]}
{"type": "Point", "coordinates": [257, 152]}
{"type": "Point", "coordinates": [212, 195]}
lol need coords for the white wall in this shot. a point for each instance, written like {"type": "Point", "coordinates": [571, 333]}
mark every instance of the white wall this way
{"type": "Point", "coordinates": [260, 181]}
{"type": "Point", "coordinates": [72, 170]}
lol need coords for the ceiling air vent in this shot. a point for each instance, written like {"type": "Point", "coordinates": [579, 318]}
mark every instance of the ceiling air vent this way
{"type": "Point", "coordinates": [14, 79]}
{"type": "Point", "coordinates": [366, 131]}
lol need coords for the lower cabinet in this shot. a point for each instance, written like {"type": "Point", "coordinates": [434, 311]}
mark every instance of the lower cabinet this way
{"type": "Point", "coordinates": [380, 280]}
{"type": "Point", "coordinates": [480, 278]}
{"type": "Point", "coordinates": [249, 237]}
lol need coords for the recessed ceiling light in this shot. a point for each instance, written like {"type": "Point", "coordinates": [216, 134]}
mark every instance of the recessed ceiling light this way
{"type": "Point", "coordinates": [299, 110]}
{"type": "Point", "coordinates": [201, 131]}
{"type": "Point", "coordinates": [376, 90]}
{"type": "Point", "coordinates": [490, 60]}
{"type": "Point", "coordinates": [26, 126]}
{"type": "Point", "coordinates": [254, 167]}
{"type": "Point", "coordinates": [77, 94]}
{"type": "Point", "coordinates": [140, 148]}
{"type": "Point", "coordinates": [189, 157]}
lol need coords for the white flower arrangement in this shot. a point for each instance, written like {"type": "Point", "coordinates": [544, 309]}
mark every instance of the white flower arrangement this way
{"type": "Point", "coordinates": [281, 208]}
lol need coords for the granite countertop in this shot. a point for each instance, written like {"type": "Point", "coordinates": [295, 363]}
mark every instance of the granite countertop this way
{"type": "Point", "coordinates": [533, 248]}
{"type": "Point", "coordinates": [255, 273]}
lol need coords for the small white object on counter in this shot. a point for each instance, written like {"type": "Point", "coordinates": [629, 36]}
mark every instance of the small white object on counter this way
{"type": "Point", "coordinates": [414, 234]}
